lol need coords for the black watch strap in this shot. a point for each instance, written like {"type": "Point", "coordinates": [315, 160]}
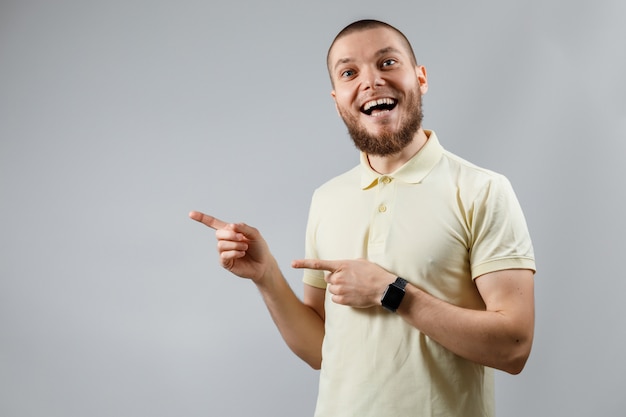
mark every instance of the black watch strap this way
{"type": "Point", "coordinates": [394, 294]}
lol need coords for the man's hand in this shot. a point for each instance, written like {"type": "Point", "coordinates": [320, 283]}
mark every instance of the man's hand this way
{"type": "Point", "coordinates": [242, 249]}
{"type": "Point", "coordinates": [356, 283]}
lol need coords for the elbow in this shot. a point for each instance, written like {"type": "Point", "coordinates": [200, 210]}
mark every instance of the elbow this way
{"type": "Point", "coordinates": [314, 362]}
{"type": "Point", "coordinates": [516, 360]}
{"type": "Point", "coordinates": [515, 367]}
{"type": "Point", "coordinates": [313, 359]}
{"type": "Point", "coordinates": [310, 352]}
{"type": "Point", "coordinates": [517, 350]}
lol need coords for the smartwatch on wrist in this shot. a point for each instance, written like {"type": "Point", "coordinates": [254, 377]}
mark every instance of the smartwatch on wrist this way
{"type": "Point", "coordinates": [394, 294]}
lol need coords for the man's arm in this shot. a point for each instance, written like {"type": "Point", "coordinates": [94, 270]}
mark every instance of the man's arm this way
{"type": "Point", "coordinates": [299, 322]}
{"type": "Point", "coordinates": [499, 336]}
{"type": "Point", "coordinates": [244, 252]}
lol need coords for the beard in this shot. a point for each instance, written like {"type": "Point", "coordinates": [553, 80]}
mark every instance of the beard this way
{"type": "Point", "coordinates": [387, 142]}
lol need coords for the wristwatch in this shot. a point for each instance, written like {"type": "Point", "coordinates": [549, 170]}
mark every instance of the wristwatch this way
{"type": "Point", "coordinates": [393, 295]}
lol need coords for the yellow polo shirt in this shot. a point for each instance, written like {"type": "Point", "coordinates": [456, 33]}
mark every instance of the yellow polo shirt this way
{"type": "Point", "coordinates": [439, 222]}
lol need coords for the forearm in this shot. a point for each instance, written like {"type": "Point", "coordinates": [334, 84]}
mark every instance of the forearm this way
{"type": "Point", "coordinates": [492, 338]}
{"type": "Point", "coordinates": [300, 325]}
{"type": "Point", "coordinates": [244, 252]}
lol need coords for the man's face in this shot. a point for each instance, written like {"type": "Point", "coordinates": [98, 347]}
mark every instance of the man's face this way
{"type": "Point", "coordinates": [377, 89]}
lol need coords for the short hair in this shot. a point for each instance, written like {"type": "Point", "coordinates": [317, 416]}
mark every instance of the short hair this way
{"type": "Point", "coordinates": [366, 24]}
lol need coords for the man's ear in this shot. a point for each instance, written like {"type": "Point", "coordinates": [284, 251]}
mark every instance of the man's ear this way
{"type": "Point", "coordinates": [422, 78]}
{"type": "Point", "coordinates": [333, 95]}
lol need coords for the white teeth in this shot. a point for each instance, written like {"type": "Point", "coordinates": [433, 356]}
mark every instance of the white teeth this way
{"type": "Point", "coordinates": [378, 102]}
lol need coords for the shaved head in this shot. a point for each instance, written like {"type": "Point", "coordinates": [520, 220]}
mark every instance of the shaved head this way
{"type": "Point", "coordinates": [361, 25]}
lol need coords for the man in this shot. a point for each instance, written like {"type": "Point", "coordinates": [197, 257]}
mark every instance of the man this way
{"type": "Point", "coordinates": [419, 270]}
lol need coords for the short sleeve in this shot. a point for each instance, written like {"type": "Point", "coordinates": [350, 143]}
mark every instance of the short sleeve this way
{"type": "Point", "coordinates": [500, 237]}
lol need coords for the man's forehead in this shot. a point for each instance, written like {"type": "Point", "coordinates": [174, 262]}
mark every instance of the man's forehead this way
{"type": "Point", "coordinates": [371, 40]}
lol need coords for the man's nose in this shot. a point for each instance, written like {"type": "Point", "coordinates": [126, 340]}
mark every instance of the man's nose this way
{"type": "Point", "coordinates": [372, 78]}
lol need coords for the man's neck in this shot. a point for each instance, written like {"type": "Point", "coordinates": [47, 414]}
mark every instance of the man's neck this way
{"type": "Point", "coordinates": [390, 163]}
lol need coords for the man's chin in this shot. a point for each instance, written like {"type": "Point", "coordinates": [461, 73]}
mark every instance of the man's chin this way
{"type": "Point", "coordinates": [382, 132]}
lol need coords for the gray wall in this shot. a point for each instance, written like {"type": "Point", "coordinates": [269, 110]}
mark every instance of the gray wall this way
{"type": "Point", "coordinates": [118, 117]}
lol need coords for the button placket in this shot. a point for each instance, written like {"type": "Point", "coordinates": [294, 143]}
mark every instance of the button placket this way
{"type": "Point", "coordinates": [381, 222]}
{"type": "Point", "coordinates": [383, 183]}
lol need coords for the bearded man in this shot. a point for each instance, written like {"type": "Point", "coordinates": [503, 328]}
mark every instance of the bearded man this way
{"type": "Point", "coordinates": [419, 269]}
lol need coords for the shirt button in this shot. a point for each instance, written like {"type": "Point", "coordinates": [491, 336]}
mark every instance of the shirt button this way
{"type": "Point", "coordinates": [386, 180]}
{"type": "Point", "coordinates": [382, 208]}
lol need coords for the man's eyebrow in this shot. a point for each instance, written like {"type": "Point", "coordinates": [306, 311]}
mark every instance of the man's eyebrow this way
{"type": "Point", "coordinates": [378, 53]}
{"type": "Point", "coordinates": [341, 62]}
{"type": "Point", "coordinates": [387, 50]}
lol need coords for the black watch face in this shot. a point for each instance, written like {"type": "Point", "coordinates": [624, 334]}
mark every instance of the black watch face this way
{"type": "Point", "coordinates": [393, 297]}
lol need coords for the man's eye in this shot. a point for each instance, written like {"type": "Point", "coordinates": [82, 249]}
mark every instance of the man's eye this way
{"type": "Point", "coordinates": [388, 62]}
{"type": "Point", "coordinates": [347, 73]}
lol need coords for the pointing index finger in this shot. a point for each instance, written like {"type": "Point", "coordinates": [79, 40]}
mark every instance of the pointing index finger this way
{"type": "Point", "coordinates": [210, 221]}
{"type": "Point", "coordinates": [317, 264]}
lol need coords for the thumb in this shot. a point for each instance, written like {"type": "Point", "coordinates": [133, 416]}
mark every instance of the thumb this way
{"type": "Point", "coordinates": [249, 232]}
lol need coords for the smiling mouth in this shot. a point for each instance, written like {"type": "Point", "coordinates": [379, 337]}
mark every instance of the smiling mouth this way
{"type": "Point", "coordinates": [376, 107]}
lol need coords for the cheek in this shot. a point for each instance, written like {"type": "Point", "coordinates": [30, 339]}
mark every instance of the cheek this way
{"type": "Point", "coordinates": [407, 83]}
{"type": "Point", "coordinates": [344, 98]}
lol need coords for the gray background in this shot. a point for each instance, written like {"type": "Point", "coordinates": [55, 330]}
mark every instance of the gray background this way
{"type": "Point", "coordinates": [119, 117]}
